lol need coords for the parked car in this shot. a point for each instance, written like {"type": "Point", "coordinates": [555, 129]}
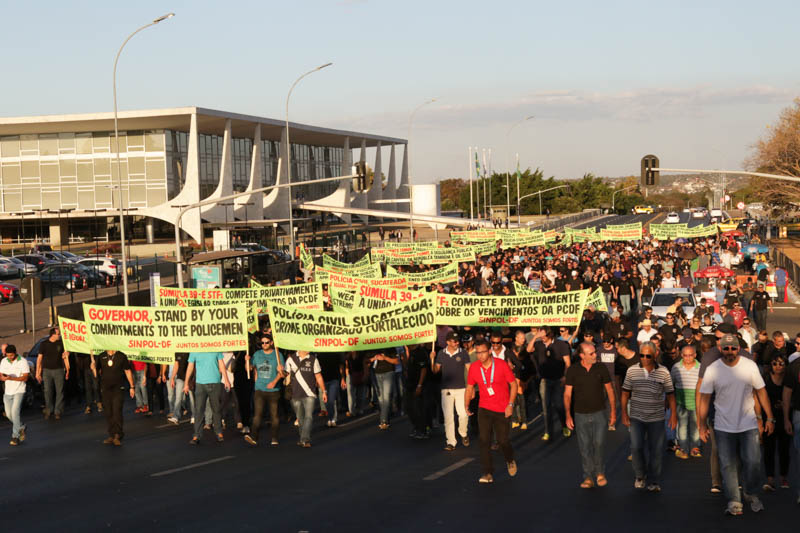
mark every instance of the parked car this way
{"type": "Point", "coordinates": [72, 258]}
{"type": "Point", "coordinates": [663, 298]}
{"type": "Point", "coordinates": [60, 276]}
{"type": "Point", "coordinates": [673, 218]}
{"type": "Point", "coordinates": [92, 276]}
{"type": "Point", "coordinates": [8, 292]}
{"type": "Point", "coordinates": [56, 257]}
{"type": "Point", "coordinates": [110, 267]}
{"type": "Point", "coordinates": [643, 210]}
{"type": "Point", "coordinates": [8, 268]}
{"type": "Point", "coordinates": [39, 261]}
{"type": "Point", "coordinates": [39, 248]}
{"type": "Point", "coordinates": [22, 265]}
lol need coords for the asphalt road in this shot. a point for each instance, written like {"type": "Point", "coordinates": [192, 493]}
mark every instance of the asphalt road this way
{"type": "Point", "coordinates": [355, 478]}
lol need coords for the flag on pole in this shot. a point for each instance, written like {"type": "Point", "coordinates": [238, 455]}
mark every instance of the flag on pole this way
{"type": "Point", "coordinates": [477, 166]}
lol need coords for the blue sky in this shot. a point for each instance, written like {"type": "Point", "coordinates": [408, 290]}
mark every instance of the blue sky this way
{"type": "Point", "coordinates": [693, 82]}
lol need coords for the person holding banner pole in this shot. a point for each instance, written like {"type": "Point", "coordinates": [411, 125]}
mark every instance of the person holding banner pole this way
{"type": "Point", "coordinates": [211, 374]}
{"type": "Point", "coordinates": [114, 368]}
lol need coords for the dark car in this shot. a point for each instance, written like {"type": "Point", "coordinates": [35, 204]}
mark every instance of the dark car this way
{"type": "Point", "coordinates": [91, 275]}
{"type": "Point", "coordinates": [8, 292]}
{"type": "Point", "coordinates": [61, 277]}
{"type": "Point", "coordinates": [39, 261]}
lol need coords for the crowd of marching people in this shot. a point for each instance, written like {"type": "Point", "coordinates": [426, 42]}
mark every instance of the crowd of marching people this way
{"type": "Point", "coordinates": [708, 381]}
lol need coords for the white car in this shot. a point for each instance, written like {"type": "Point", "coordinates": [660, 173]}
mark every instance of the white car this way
{"type": "Point", "coordinates": [673, 218]}
{"type": "Point", "coordinates": [27, 268]}
{"type": "Point", "coordinates": [699, 213]}
{"type": "Point", "coordinates": [109, 267]}
{"type": "Point", "coordinates": [8, 267]}
{"type": "Point", "coordinates": [663, 298]}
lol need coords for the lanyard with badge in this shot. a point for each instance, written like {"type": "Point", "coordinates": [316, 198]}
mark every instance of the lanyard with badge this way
{"type": "Point", "coordinates": [489, 389]}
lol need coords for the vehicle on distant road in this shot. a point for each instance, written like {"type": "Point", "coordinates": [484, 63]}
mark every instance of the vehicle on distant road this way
{"type": "Point", "coordinates": [716, 215]}
{"type": "Point", "coordinates": [673, 218]}
{"type": "Point", "coordinates": [699, 212]}
{"type": "Point", "coordinates": [643, 210]}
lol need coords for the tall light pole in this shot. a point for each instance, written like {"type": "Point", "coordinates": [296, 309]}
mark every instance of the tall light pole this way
{"type": "Point", "coordinates": [289, 153]}
{"type": "Point", "coordinates": [119, 173]}
{"type": "Point", "coordinates": [469, 173]}
{"type": "Point", "coordinates": [408, 139]}
{"type": "Point", "coordinates": [619, 191]}
{"type": "Point", "coordinates": [508, 166]}
{"type": "Point", "coordinates": [539, 193]}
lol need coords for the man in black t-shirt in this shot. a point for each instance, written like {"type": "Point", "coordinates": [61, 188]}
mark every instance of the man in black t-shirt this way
{"type": "Point", "coordinates": [52, 369]}
{"type": "Point", "coordinates": [791, 408]}
{"type": "Point", "coordinates": [332, 365]}
{"type": "Point", "coordinates": [417, 368]}
{"type": "Point", "coordinates": [586, 382]}
{"type": "Point", "coordinates": [551, 364]}
{"type": "Point", "coordinates": [175, 385]}
{"type": "Point", "coordinates": [669, 332]}
{"type": "Point", "coordinates": [114, 369]}
{"type": "Point", "coordinates": [758, 307]}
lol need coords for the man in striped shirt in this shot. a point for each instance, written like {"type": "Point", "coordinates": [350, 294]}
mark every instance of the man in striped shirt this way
{"type": "Point", "coordinates": [684, 378]}
{"type": "Point", "coordinates": [644, 387]}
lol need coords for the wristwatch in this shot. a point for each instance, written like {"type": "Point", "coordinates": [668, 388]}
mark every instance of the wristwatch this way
{"type": "Point", "coordinates": [510, 405]}
{"type": "Point", "coordinates": [771, 420]}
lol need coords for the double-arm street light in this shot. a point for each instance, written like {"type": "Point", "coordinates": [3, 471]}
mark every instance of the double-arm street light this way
{"type": "Point", "coordinates": [508, 166]}
{"type": "Point", "coordinates": [289, 154]}
{"type": "Point", "coordinates": [540, 196]}
{"type": "Point", "coordinates": [119, 173]}
{"type": "Point", "coordinates": [613, 196]}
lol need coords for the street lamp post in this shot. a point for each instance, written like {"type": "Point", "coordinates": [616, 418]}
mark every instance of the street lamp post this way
{"type": "Point", "coordinates": [540, 195]}
{"type": "Point", "coordinates": [408, 140]}
{"type": "Point", "coordinates": [289, 154]}
{"type": "Point", "coordinates": [613, 196]}
{"type": "Point", "coordinates": [119, 173]}
{"type": "Point", "coordinates": [508, 167]}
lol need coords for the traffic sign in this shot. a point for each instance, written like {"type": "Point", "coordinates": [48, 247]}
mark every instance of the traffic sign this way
{"type": "Point", "coordinates": [727, 198]}
{"type": "Point", "coordinates": [31, 290]}
{"type": "Point", "coordinates": [740, 206]}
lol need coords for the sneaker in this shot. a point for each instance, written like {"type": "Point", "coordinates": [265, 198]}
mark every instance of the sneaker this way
{"type": "Point", "coordinates": [654, 487]}
{"type": "Point", "coordinates": [602, 481]}
{"type": "Point", "coordinates": [220, 437]}
{"type": "Point", "coordinates": [207, 427]}
{"type": "Point", "coordinates": [630, 457]}
{"type": "Point", "coordinates": [88, 410]}
{"type": "Point", "coordinates": [546, 437]}
{"type": "Point", "coordinates": [696, 452]}
{"type": "Point", "coordinates": [323, 413]}
{"type": "Point", "coordinates": [137, 410]}
{"type": "Point", "coordinates": [296, 423]}
{"type": "Point", "coordinates": [245, 430]}
{"type": "Point", "coordinates": [768, 487]}
{"type": "Point", "coordinates": [173, 420]}
{"type": "Point", "coordinates": [566, 432]}
{"type": "Point", "coordinates": [514, 425]}
{"type": "Point", "coordinates": [734, 509]}
{"type": "Point", "coordinates": [116, 441]}
{"type": "Point", "coordinates": [784, 481]}
{"type": "Point", "coordinates": [328, 423]}
{"type": "Point", "coordinates": [274, 442]}
{"type": "Point", "coordinates": [716, 489]}
{"type": "Point", "coordinates": [523, 426]}
{"type": "Point", "coordinates": [14, 442]}
{"type": "Point", "coordinates": [512, 468]}
{"type": "Point", "coordinates": [348, 414]}
{"type": "Point", "coordinates": [465, 441]}
{"type": "Point", "coordinates": [240, 426]}
{"type": "Point", "coordinates": [57, 416]}
{"type": "Point", "coordinates": [487, 478]}
{"type": "Point", "coordinates": [332, 423]}
{"type": "Point", "coordinates": [680, 454]}
{"type": "Point", "coordinates": [250, 440]}
{"type": "Point", "coordinates": [191, 421]}
{"type": "Point", "coordinates": [307, 444]}
{"type": "Point", "coordinates": [109, 440]}
{"type": "Point", "coordinates": [755, 503]}
{"type": "Point", "coordinates": [224, 425]}
{"type": "Point", "coordinates": [195, 441]}
{"type": "Point", "coordinates": [383, 426]}
{"type": "Point", "coordinates": [449, 448]}
{"type": "Point", "coordinates": [23, 428]}
{"type": "Point", "coordinates": [99, 407]}
{"type": "Point", "coordinates": [638, 483]}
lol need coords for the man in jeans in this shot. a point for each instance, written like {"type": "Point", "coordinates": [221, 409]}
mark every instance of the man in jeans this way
{"type": "Point", "coordinates": [585, 383]}
{"type": "Point", "coordinates": [52, 367]}
{"type": "Point", "coordinates": [175, 383]}
{"type": "Point", "coordinates": [451, 362]}
{"type": "Point", "coordinates": [645, 386]}
{"type": "Point", "coordinates": [684, 378]}
{"type": "Point", "coordinates": [734, 380]}
{"type": "Point", "coordinates": [268, 368]}
{"type": "Point", "coordinates": [14, 372]}
{"type": "Point", "coordinates": [332, 365]}
{"type": "Point", "coordinates": [791, 407]}
{"type": "Point", "coordinates": [306, 379]}
{"type": "Point", "coordinates": [211, 374]}
{"type": "Point", "coordinates": [383, 362]}
{"type": "Point", "coordinates": [552, 358]}
{"type": "Point", "coordinates": [497, 392]}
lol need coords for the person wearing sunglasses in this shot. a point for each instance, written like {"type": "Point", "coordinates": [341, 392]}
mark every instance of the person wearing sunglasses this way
{"type": "Point", "coordinates": [737, 422]}
{"type": "Point", "coordinates": [779, 439]}
{"type": "Point", "coordinates": [267, 364]}
{"type": "Point", "coordinates": [645, 387]}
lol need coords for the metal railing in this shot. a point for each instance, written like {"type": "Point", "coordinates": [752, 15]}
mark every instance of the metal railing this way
{"type": "Point", "coordinates": [780, 259]}
{"type": "Point", "coordinates": [569, 219]}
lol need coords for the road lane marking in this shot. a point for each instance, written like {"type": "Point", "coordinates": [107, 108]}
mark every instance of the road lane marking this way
{"type": "Point", "coordinates": [356, 420]}
{"type": "Point", "coordinates": [445, 471]}
{"type": "Point", "coordinates": [537, 417]}
{"type": "Point", "coordinates": [790, 307]}
{"type": "Point", "coordinates": [170, 424]}
{"type": "Point", "coordinates": [193, 465]}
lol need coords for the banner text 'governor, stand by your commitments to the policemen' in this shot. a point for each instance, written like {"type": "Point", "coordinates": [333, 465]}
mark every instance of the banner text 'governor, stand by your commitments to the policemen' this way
{"type": "Point", "coordinates": [74, 335]}
{"type": "Point", "coordinates": [176, 329]}
{"type": "Point", "coordinates": [322, 331]}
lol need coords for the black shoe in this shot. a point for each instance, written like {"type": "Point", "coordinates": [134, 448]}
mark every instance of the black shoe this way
{"type": "Point", "coordinates": [465, 441]}
{"type": "Point", "coordinates": [195, 441]}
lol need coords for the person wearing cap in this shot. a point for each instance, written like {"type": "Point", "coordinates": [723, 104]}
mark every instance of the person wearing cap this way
{"type": "Point", "coordinates": [647, 332]}
{"type": "Point", "coordinates": [451, 362]}
{"type": "Point", "coordinates": [267, 364]}
{"type": "Point", "coordinates": [14, 373]}
{"type": "Point", "coordinates": [735, 380]}
{"type": "Point", "coordinates": [758, 307]}
{"type": "Point", "coordinates": [625, 293]}
{"type": "Point", "coordinates": [644, 388]}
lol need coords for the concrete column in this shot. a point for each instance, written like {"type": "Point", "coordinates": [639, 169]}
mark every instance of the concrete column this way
{"type": "Point", "coordinates": [359, 198]}
{"type": "Point", "coordinates": [390, 192]}
{"type": "Point", "coordinates": [376, 190]}
{"type": "Point", "coordinates": [149, 229]}
{"type": "Point", "coordinates": [58, 232]}
{"type": "Point", "coordinates": [403, 191]}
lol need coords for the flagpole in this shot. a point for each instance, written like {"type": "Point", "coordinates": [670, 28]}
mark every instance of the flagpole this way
{"type": "Point", "coordinates": [486, 207]}
{"type": "Point", "coordinates": [469, 173]}
{"type": "Point", "coordinates": [519, 220]}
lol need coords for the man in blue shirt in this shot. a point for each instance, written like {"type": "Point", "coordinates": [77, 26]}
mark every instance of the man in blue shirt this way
{"type": "Point", "coordinates": [211, 373]}
{"type": "Point", "coordinates": [780, 283]}
{"type": "Point", "coordinates": [267, 364]}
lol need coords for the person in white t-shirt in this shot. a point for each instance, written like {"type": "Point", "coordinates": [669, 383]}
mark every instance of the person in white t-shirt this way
{"type": "Point", "coordinates": [14, 372]}
{"type": "Point", "coordinates": [647, 332]}
{"type": "Point", "coordinates": [737, 421]}
{"type": "Point", "coordinates": [668, 282]}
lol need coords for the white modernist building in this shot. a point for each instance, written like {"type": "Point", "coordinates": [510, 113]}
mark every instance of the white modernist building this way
{"type": "Point", "coordinates": [59, 172]}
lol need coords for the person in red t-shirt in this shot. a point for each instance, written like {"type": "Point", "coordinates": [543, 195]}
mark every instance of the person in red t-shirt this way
{"type": "Point", "coordinates": [498, 390]}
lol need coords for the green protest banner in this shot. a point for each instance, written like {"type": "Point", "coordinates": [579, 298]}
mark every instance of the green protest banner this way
{"type": "Point", "coordinates": [561, 308]}
{"type": "Point", "coordinates": [431, 257]}
{"type": "Point", "coordinates": [73, 335]}
{"type": "Point", "coordinates": [173, 329]}
{"type": "Point", "coordinates": [303, 295]}
{"type": "Point", "coordinates": [486, 248]}
{"type": "Point", "coordinates": [523, 239]}
{"type": "Point", "coordinates": [416, 246]}
{"type": "Point", "coordinates": [698, 231]}
{"type": "Point", "coordinates": [330, 262]}
{"type": "Point", "coordinates": [597, 300]}
{"type": "Point", "coordinates": [343, 281]}
{"type": "Point", "coordinates": [372, 271]}
{"type": "Point", "coordinates": [321, 331]}
{"type": "Point", "coordinates": [367, 298]}
{"type": "Point", "coordinates": [622, 232]}
{"type": "Point", "coordinates": [306, 260]}
{"type": "Point", "coordinates": [446, 274]}
{"type": "Point", "coordinates": [520, 289]}
{"type": "Point", "coordinates": [342, 300]}
{"type": "Point", "coordinates": [475, 235]}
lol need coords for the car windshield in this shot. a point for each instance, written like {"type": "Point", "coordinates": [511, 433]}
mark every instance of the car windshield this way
{"type": "Point", "coordinates": [667, 299]}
